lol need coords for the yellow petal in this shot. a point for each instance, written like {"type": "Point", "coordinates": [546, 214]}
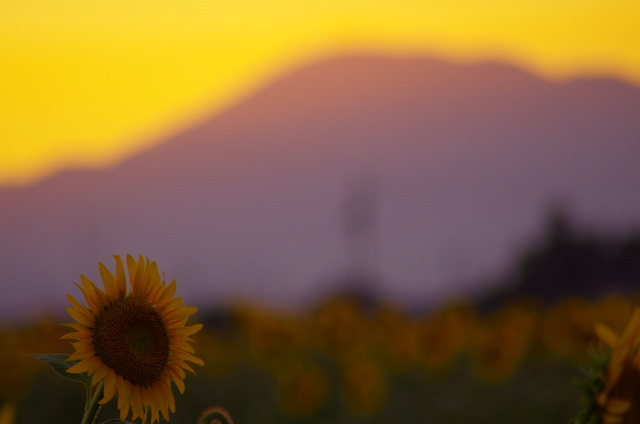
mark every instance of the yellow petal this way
{"type": "Point", "coordinates": [91, 301]}
{"type": "Point", "coordinates": [81, 347]}
{"type": "Point", "coordinates": [121, 279]}
{"type": "Point", "coordinates": [155, 287]}
{"type": "Point", "coordinates": [124, 390]}
{"type": "Point", "coordinates": [632, 332]}
{"type": "Point", "coordinates": [176, 324]}
{"type": "Point", "coordinates": [80, 308]}
{"type": "Point", "coordinates": [109, 282]}
{"type": "Point", "coordinates": [611, 419]}
{"type": "Point", "coordinates": [164, 390]}
{"type": "Point", "coordinates": [618, 406]}
{"type": "Point", "coordinates": [145, 410]}
{"type": "Point", "coordinates": [82, 366]}
{"type": "Point", "coordinates": [167, 295]}
{"type": "Point", "coordinates": [606, 335]}
{"type": "Point", "coordinates": [133, 268]}
{"type": "Point", "coordinates": [99, 374]}
{"type": "Point", "coordinates": [75, 326]}
{"type": "Point", "coordinates": [109, 387]}
{"type": "Point", "coordinates": [96, 294]}
{"type": "Point", "coordinates": [162, 288]}
{"type": "Point", "coordinates": [171, 402]}
{"type": "Point", "coordinates": [136, 282]}
{"type": "Point", "coordinates": [145, 284]}
{"type": "Point", "coordinates": [182, 346]}
{"type": "Point", "coordinates": [182, 364]}
{"type": "Point", "coordinates": [154, 414]}
{"type": "Point", "coordinates": [188, 357]}
{"type": "Point", "coordinates": [149, 394]}
{"type": "Point", "coordinates": [80, 317]}
{"type": "Point", "coordinates": [136, 402]}
{"type": "Point", "coordinates": [180, 313]}
{"type": "Point", "coordinates": [602, 399]}
{"type": "Point", "coordinates": [84, 335]}
{"type": "Point", "coordinates": [179, 382]}
{"type": "Point", "coordinates": [175, 370]}
{"type": "Point", "coordinates": [76, 356]}
{"type": "Point", "coordinates": [72, 336]}
{"type": "Point", "coordinates": [188, 330]}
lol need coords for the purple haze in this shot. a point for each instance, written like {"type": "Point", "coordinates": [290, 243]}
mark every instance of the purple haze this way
{"type": "Point", "coordinates": [453, 167]}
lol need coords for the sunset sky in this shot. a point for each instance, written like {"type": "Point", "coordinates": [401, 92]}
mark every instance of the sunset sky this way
{"type": "Point", "coordinates": [86, 83]}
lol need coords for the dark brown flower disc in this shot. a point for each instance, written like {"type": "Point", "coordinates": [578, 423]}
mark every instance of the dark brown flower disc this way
{"type": "Point", "coordinates": [130, 337]}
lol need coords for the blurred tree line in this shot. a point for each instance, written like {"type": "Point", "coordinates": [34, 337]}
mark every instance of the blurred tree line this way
{"type": "Point", "coordinates": [571, 261]}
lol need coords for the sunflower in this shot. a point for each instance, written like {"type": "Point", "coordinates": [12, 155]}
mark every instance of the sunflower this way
{"type": "Point", "coordinates": [618, 400]}
{"type": "Point", "coordinates": [135, 341]}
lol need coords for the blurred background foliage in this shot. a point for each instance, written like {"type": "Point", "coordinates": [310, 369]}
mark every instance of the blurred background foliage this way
{"type": "Point", "coordinates": [346, 361]}
{"type": "Point", "coordinates": [512, 355]}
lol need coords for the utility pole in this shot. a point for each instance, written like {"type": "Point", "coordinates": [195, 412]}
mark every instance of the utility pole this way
{"type": "Point", "coordinates": [359, 216]}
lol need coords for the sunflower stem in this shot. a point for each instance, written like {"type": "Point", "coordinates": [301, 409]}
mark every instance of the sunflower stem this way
{"type": "Point", "coordinates": [93, 407]}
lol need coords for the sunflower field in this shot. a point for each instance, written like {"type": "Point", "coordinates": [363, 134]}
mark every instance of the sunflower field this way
{"type": "Point", "coordinates": [347, 361]}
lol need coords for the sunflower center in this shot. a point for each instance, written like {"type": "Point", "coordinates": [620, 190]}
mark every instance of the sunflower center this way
{"type": "Point", "coordinates": [130, 337]}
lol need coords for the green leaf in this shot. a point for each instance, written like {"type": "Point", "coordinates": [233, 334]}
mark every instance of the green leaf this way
{"type": "Point", "coordinates": [59, 363]}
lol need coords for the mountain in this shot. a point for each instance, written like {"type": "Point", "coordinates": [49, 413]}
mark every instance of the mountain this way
{"type": "Point", "coordinates": [424, 174]}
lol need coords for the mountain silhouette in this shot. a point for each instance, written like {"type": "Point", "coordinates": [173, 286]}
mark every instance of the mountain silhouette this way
{"type": "Point", "coordinates": [460, 163]}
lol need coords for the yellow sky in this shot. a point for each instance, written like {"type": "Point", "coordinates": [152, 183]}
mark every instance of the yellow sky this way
{"type": "Point", "coordinates": [86, 83]}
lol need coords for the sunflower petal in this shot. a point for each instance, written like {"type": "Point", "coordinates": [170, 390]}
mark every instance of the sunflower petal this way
{"type": "Point", "coordinates": [121, 280]}
{"type": "Point", "coordinates": [72, 336]}
{"type": "Point", "coordinates": [77, 356]}
{"type": "Point", "coordinates": [182, 364]}
{"type": "Point", "coordinates": [82, 366]}
{"type": "Point", "coordinates": [81, 334]}
{"type": "Point", "coordinates": [80, 317]}
{"type": "Point", "coordinates": [148, 396]}
{"type": "Point", "coordinates": [146, 288]}
{"type": "Point", "coordinates": [109, 387]}
{"type": "Point", "coordinates": [109, 282]}
{"type": "Point", "coordinates": [606, 335]}
{"type": "Point", "coordinates": [136, 283]}
{"type": "Point", "coordinates": [155, 288]}
{"type": "Point", "coordinates": [99, 374]}
{"type": "Point", "coordinates": [189, 357]}
{"type": "Point", "coordinates": [80, 308]}
{"type": "Point", "coordinates": [180, 313]}
{"type": "Point", "coordinates": [124, 391]}
{"type": "Point", "coordinates": [75, 326]}
{"type": "Point", "coordinates": [136, 402]}
{"type": "Point", "coordinates": [171, 402]}
{"type": "Point", "coordinates": [93, 303]}
{"type": "Point", "coordinates": [179, 382]}
{"type": "Point", "coordinates": [175, 370]}
{"type": "Point", "coordinates": [164, 390]}
{"type": "Point", "coordinates": [183, 346]}
{"type": "Point", "coordinates": [618, 406]}
{"type": "Point", "coordinates": [167, 295]}
{"type": "Point", "coordinates": [83, 347]}
{"type": "Point", "coordinates": [99, 297]}
{"type": "Point", "coordinates": [188, 330]}
{"type": "Point", "coordinates": [133, 268]}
